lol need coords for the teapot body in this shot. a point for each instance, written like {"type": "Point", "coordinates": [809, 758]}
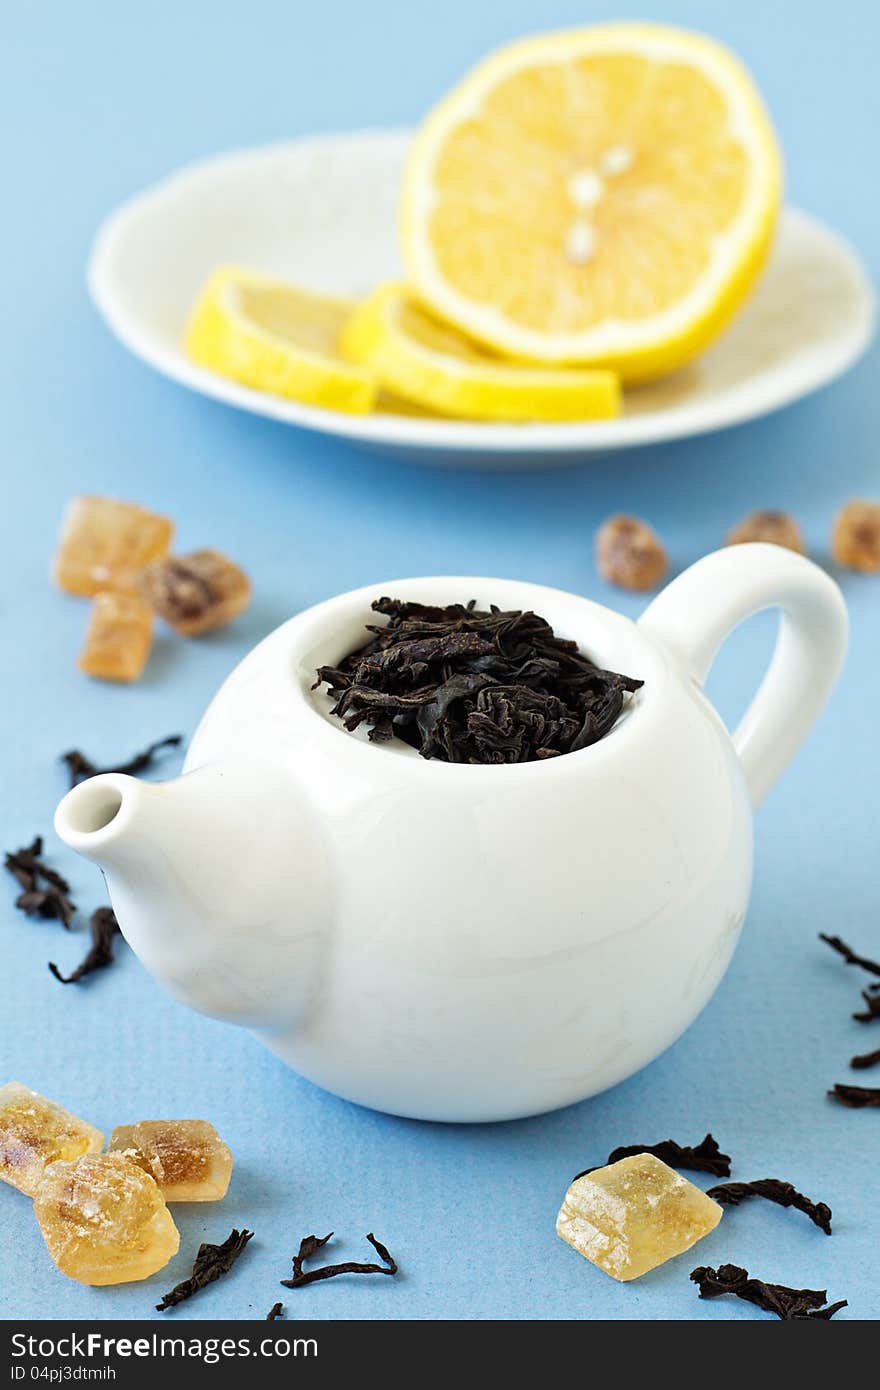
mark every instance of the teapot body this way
{"type": "Point", "coordinates": [458, 942]}
{"type": "Point", "coordinates": [498, 940]}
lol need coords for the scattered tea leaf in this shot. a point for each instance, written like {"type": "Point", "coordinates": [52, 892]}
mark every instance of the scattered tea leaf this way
{"type": "Point", "coordinates": [310, 1245]}
{"type": "Point", "coordinates": [705, 1157]}
{"type": "Point", "coordinates": [730, 1194]}
{"type": "Point", "coordinates": [81, 768]}
{"type": "Point", "coordinates": [867, 1059]}
{"type": "Point", "coordinates": [788, 1304]}
{"type": "Point", "coordinates": [849, 955]}
{"type": "Point", "coordinates": [275, 1312]}
{"type": "Point", "coordinates": [856, 1097]}
{"type": "Point", "coordinates": [103, 926]}
{"type": "Point", "coordinates": [468, 686]}
{"type": "Point", "coordinates": [44, 892]}
{"type": "Point", "coordinates": [211, 1262]}
{"type": "Point", "coordinates": [871, 996]}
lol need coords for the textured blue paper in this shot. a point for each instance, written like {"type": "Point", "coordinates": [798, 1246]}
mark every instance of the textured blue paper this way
{"type": "Point", "coordinates": [104, 99]}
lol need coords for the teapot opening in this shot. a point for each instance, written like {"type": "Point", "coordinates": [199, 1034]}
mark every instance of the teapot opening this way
{"type": "Point", "coordinates": [90, 807]}
{"type": "Point", "coordinates": [463, 720]}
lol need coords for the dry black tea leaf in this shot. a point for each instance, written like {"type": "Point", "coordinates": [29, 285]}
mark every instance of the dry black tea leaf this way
{"type": "Point", "coordinates": [856, 1097]}
{"type": "Point", "coordinates": [471, 686]}
{"type": "Point", "coordinates": [788, 1304]}
{"type": "Point", "coordinates": [44, 892]}
{"type": "Point", "coordinates": [211, 1262]}
{"type": "Point", "coordinates": [81, 768]}
{"type": "Point", "coordinates": [705, 1157]}
{"type": "Point", "coordinates": [867, 1059]}
{"type": "Point", "coordinates": [23, 863]}
{"type": "Point", "coordinates": [275, 1312]}
{"type": "Point", "coordinates": [730, 1194]}
{"type": "Point", "coordinates": [871, 996]}
{"type": "Point", "coordinates": [310, 1245]}
{"type": "Point", "coordinates": [104, 927]}
{"type": "Point", "coordinates": [849, 955]}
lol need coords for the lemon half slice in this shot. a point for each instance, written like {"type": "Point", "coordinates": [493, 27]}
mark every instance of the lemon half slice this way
{"type": "Point", "coordinates": [424, 361]}
{"type": "Point", "coordinates": [603, 195]}
{"type": "Point", "coordinates": [279, 338]}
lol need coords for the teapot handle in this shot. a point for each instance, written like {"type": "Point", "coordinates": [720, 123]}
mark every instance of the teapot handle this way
{"type": "Point", "coordinates": [694, 615]}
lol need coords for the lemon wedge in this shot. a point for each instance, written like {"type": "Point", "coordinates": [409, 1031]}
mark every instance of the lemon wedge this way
{"type": "Point", "coordinates": [277, 337]}
{"type": "Point", "coordinates": [603, 195]}
{"type": "Point", "coordinates": [416, 357]}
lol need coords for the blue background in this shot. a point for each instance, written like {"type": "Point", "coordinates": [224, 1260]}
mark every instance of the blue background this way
{"type": "Point", "coordinates": [104, 99]}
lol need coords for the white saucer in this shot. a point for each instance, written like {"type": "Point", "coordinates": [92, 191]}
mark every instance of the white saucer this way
{"type": "Point", "coordinates": [323, 211]}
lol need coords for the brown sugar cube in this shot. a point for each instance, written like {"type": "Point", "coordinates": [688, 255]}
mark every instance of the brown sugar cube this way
{"type": "Point", "coordinates": [104, 1220]}
{"type": "Point", "coordinates": [186, 1158]}
{"type": "Point", "coordinates": [105, 543]}
{"type": "Point", "coordinates": [198, 592]}
{"type": "Point", "coordinates": [630, 554]}
{"type": "Point", "coordinates": [634, 1215]}
{"type": "Point", "coordinates": [776, 528]}
{"type": "Point", "coordinates": [855, 540]}
{"type": "Point", "coordinates": [118, 638]}
{"type": "Point", "coordinates": [35, 1131]}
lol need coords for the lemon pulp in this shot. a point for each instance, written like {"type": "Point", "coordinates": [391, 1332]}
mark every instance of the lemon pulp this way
{"type": "Point", "coordinates": [605, 195]}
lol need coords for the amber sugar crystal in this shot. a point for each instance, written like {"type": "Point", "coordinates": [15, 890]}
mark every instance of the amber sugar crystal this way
{"type": "Point", "coordinates": [774, 527]}
{"type": "Point", "coordinates": [104, 544]}
{"type": "Point", "coordinates": [634, 1215]}
{"type": "Point", "coordinates": [855, 539]}
{"type": "Point", "coordinates": [187, 1158]}
{"type": "Point", "coordinates": [118, 638]}
{"type": "Point", "coordinates": [35, 1131]}
{"type": "Point", "coordinates": [104, 1220]}
{"type": "Point", "coordinates": [198, 592]}
{"type": "Point", "coordinates": [630, 554]}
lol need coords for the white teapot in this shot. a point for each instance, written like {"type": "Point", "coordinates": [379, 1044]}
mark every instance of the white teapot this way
{"type": "Point", "coordinates": [457, 942]}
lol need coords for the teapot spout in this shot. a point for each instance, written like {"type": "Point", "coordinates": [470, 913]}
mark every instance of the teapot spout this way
{"type": "Point", "coordinates": [198, 871]}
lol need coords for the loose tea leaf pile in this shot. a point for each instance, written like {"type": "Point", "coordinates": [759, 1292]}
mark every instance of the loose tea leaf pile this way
{"type": "Point", "coordinates": [730, 1194]}
{"type": "Point", "coordinates": [469, 686]}
{"type": "Point", "coordinates": [103, 926]}
{"type": "Point", "coordinates": [310, 1245]}
{"type": "Point", "coordinates": [705, 1157]}
{"type": "Point", "coordinates": [788, 1304]}
{"type": "Point", "coordinates": [44, 892]}
{"type": "Point", "coordinates": [211, 1262]}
